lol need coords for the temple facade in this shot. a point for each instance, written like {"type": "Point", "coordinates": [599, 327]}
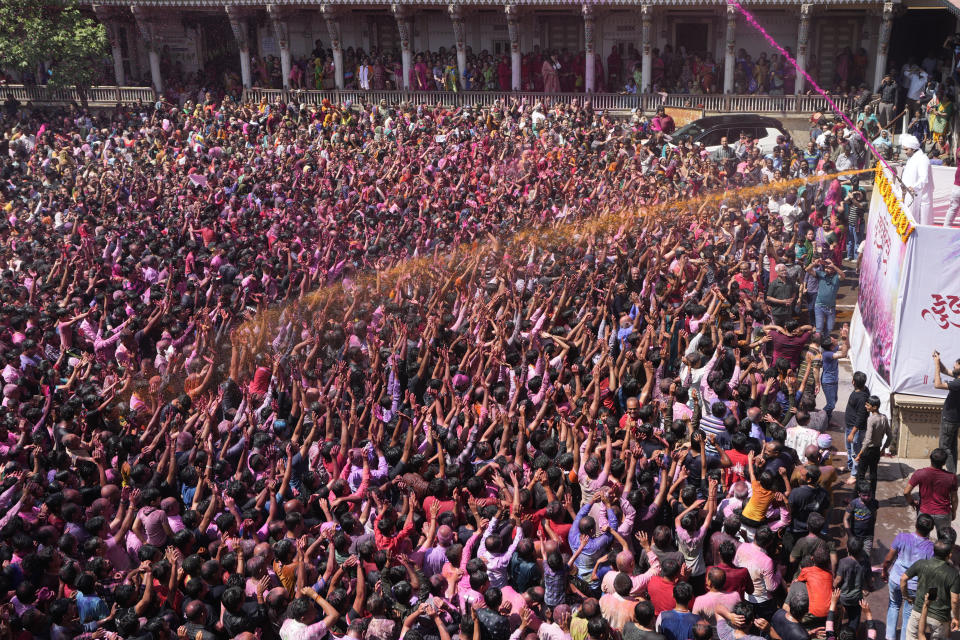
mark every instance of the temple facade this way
{"type": "Point", "coordinates": [152, 39]}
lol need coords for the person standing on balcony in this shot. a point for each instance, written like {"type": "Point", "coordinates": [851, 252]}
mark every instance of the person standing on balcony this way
{"type": "Point", "coordinates": [888, 98]}
{"type": "Point", "coordinates": [551, 75]}
{"type": "Point", "coordinates": [614, 70]}
{"type": "Point", "coordinates": [420, 73]}
{"type": "Point", "coordinates": [378, 75]}
{"type": "Point", "coordinates": [363, 74]}
{"type": "Point", "coordinates": [504, 74]}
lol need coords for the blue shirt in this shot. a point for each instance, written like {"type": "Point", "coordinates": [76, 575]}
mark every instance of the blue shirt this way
{"type": "Point", "coordinates": [831, 368]}
{"type": "Point", "coordinates": [91, 608]}
{"type": "Point", "coordinates": [596, 547]}
{"type": "Point", "coordinates": [828, 285]}
{"type": "Point", "coordinates": [676, 625]}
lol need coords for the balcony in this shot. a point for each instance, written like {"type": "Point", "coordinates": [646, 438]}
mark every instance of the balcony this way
{"type": "Point", "coordinates": [616, 104]}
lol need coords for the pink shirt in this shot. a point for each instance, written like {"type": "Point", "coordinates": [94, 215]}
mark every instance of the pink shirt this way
{"type": "Point", "coordinates": [764, 574]}
{"type": "Point", "coordinates": [706, 605]}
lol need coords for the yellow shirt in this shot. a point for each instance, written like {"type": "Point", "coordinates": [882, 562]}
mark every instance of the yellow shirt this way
{"type": "Point", "coordinates": [756, 507]}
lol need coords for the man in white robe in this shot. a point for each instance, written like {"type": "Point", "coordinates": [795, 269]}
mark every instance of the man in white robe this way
{"type": "Point", "coordinates": [918, 178]}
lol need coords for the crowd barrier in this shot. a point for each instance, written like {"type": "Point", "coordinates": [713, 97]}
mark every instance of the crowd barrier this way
{"type": "Point", "coordinates": [607, 102]}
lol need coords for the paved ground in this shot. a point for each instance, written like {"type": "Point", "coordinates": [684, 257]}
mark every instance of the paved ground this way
{"type": "Point", "coordinates": [895, 516]}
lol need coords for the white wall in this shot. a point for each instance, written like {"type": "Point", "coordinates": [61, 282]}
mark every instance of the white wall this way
{"type": "Point", "coordinates": [183, 44]}
{"type": "Point", "coordinates": [782, 25]}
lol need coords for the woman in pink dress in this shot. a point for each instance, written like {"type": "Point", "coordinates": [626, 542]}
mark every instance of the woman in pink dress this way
{"type": "Point", "coordinates": [421, 75]}
{"type": "Point", "coordinates": [551, 76]}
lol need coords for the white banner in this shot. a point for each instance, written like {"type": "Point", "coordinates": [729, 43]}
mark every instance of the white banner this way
{"type": "Point", "coordinates": [929, 315]}
{"type": "Point", "coordinates": [881, 272]}
{"type": "Point", "coordinates": [860, 348]}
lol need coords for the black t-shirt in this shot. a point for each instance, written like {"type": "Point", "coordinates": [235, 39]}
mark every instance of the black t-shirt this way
{"type": "Point", "coordinates": [787, 629]}
{"type": "Point", "coordinates": [951, 406]}
{"type": "Point", "coordinates": [805, 500]}
{"type": "Point", "coordinates": [252, 616]}
{"type": "Point", "coordinates": [632, 632]}
{"type": "Point", "coordinates": [863, 516]}
{"type": "Point", "coordinates": [693, 464]}
{"type": "Point", "coordinates": [856, 413]}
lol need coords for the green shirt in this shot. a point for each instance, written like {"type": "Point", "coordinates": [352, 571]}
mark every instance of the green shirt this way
{"type": "Point", "coordinates": [934, 574]}
{"type": "Point", "coordinates": [782, 291]}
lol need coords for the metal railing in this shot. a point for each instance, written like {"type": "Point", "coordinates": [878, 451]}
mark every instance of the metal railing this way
{"type": "Point", "coordinates": [612, 102]}
{"type": "Point", "coordinates": [607, 102]}
{"type": "Point", "coordinates": [96, 96]}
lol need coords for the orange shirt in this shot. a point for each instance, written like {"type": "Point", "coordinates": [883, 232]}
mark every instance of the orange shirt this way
{"type": "Point", "coordinates": [819, 587]}
{"type": "Point", "coordinates": [756, 507]}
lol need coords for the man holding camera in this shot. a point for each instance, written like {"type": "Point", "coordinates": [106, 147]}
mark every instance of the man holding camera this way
{"type": "Point", "coordinates": [828, 283]}
{"type": "Point", "coordinates": [950, 415]}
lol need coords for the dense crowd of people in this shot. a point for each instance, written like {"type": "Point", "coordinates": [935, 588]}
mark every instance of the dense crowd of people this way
{"type": "Point", "coordinates": [610, 432]}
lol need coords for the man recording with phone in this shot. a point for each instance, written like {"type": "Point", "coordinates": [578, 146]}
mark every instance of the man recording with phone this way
{"type": "Point", "coordinates": [950, 415]}
{"type": "Point", "coordinates": [828, 283]}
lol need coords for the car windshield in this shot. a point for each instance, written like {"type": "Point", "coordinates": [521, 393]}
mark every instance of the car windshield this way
{"type": "Point", "coordinates": [691, 130]}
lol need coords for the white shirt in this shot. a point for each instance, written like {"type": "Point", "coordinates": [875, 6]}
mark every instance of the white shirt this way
{"type": "Point", "coordinates": [293, 630]}
{"type": "Point", "coordinates": [789, 213]}
{"type": "Point", "coordinates": [844, 162]}
{"type": "Point", "coordinates": [918, 176]}
{"type": "Point", "coordinates": [918, 80]}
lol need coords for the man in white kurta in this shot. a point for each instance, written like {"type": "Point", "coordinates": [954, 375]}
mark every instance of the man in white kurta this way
{"type": "Point", "coordinates": [918, 178]}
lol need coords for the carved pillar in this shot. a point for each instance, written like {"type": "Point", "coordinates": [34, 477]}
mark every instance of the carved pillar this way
{"type": "Point", "coordinates": [112, 25]}
{"type": "Point", "coordinates": [803, 43]}
{"type": "Point", "coordinates": [883, 43]}
{"type": "Point", "coordinates": [729, 56]}
{"type": "Point", "coordinates": [281, 31]}
{"type": "Point", "coordinates": [336, 43]}
{"type": "Point", "coordinates": [646, 62]}
{"type": "Point", "coordinates": [405, 27]}
{"type": "Point", "coordinates": [151, 38]}
{"type": "Point", "coordinates": [589, 76]}
{"type": "Point", "coordinates": [513, 29]}
{"type": "Point", "coordinates": [459, 34]}
{"type": "Point", "coordinates": [238, 24]}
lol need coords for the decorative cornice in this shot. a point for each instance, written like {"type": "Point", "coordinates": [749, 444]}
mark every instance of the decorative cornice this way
{"type": "Point", "coordinates": [441, 3]}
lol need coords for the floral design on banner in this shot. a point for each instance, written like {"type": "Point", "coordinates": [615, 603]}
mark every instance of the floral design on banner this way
{"type": "Point", "coordinates": [901, 221]}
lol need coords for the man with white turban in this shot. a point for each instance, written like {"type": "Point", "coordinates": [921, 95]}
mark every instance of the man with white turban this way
{"type": "Point", "coordinates": [918, 178]}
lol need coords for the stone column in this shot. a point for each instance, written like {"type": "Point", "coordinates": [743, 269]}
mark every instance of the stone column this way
{"type": "Point", "coordinates": [281, 31]}
{"type": "Point", "coordinates": [646, 62]}
{"type": "Point", "coordinates": [238, 24]}
{"type": "Point", "coordinates": [336, 43]}
{"type": "Point", "coordinates": [883, 43]}
{"type": "Point", "coordinates": [590, 63]}
{"type": "Point", "coordinates": [405, 26]}
{"type": "Point", "coordinates": [148, 31]}
{"type": "Point", "coordinates": [513, 29]}
{"type": "Point", "coordinates": [730, 55]}
{"type": "Point", "coordinates": [803, 43]}
{"type": "Point", "coordinates": [459, 34]}
{"type": "Point", "coordinates": [112, 26]}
